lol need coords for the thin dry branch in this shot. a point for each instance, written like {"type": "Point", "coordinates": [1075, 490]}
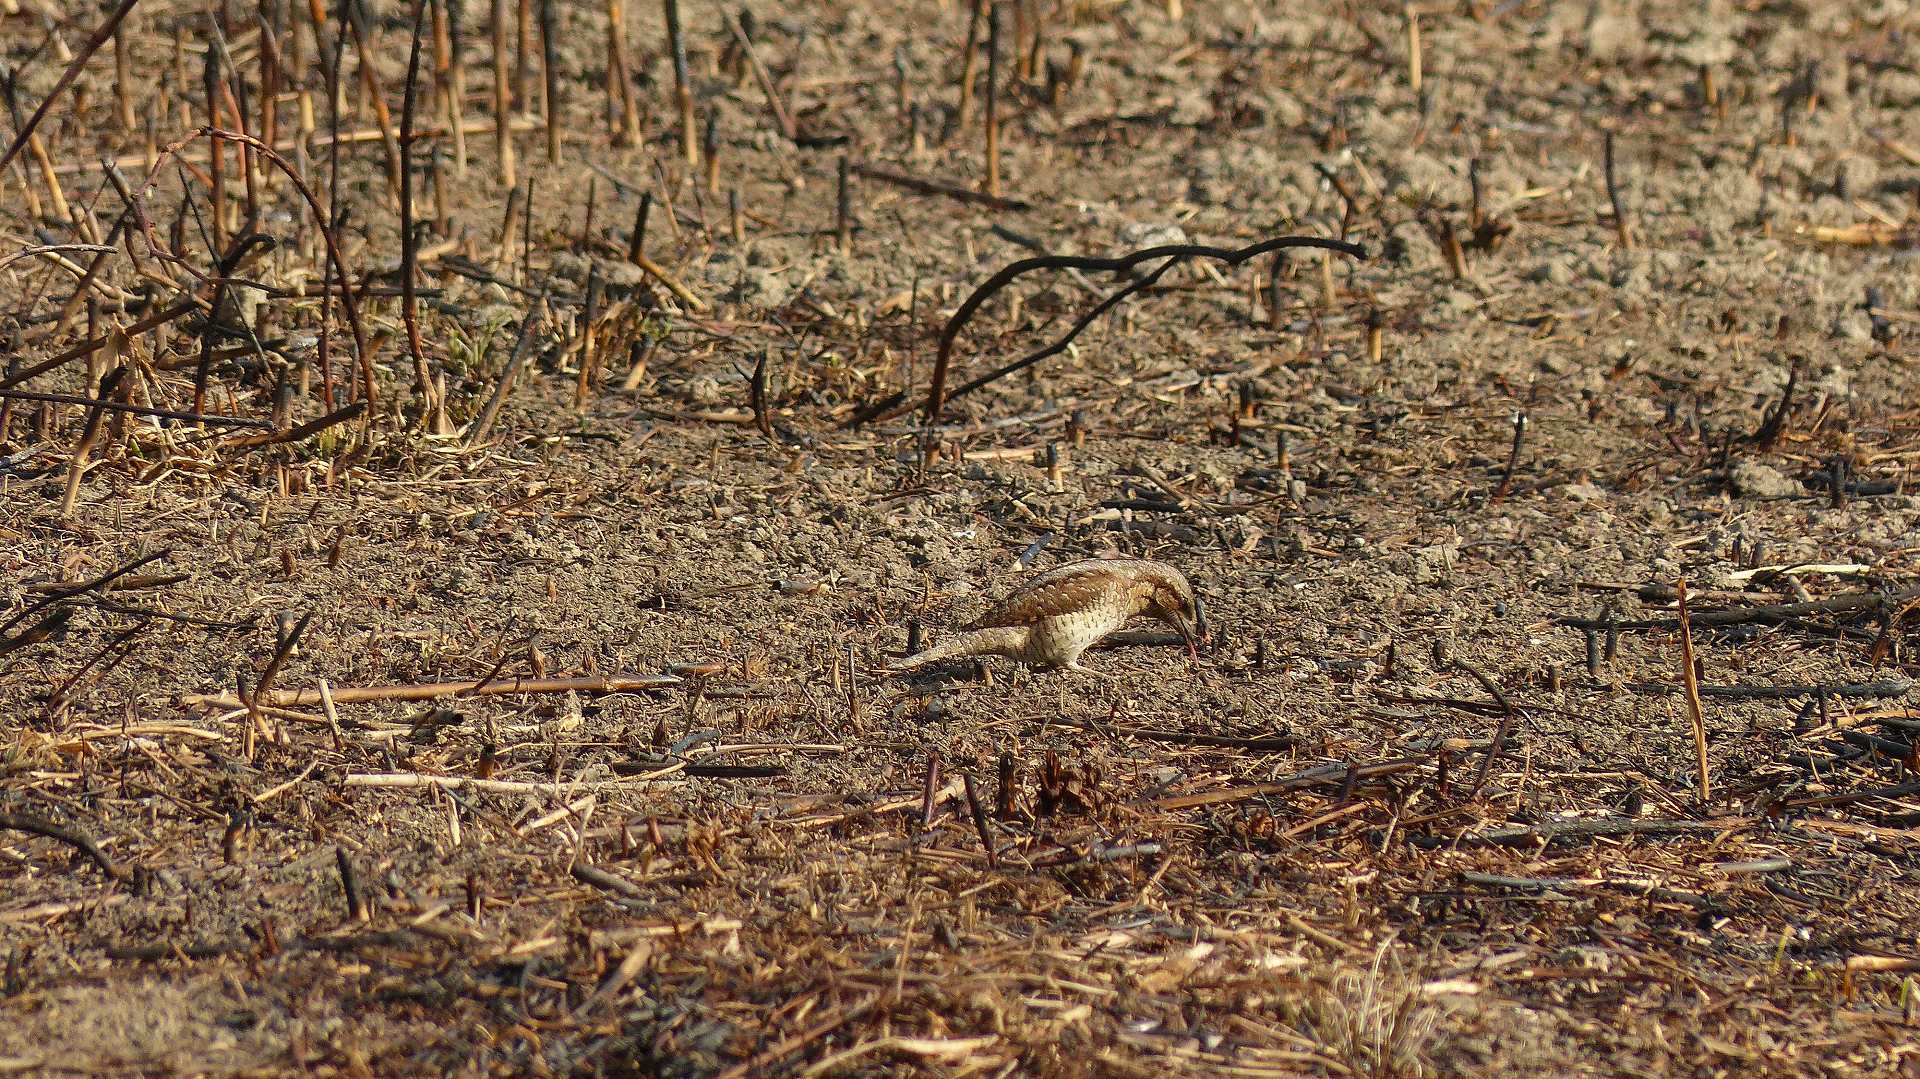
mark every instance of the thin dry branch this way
{"type": "Point", "coordinates": [347, 298]}
{"type": "Point", "coordinates": [929, 186]}
{"type": "Point", "coordinates": [70, 591]}
{"type": "Point", "coordinates": [1340, 775]}
{"type": "Point", "coordinates": [426, 691]}
{"type": "Point", "coordinates": [1173, 254]}
{"type": "Point", "coordinates": [416, 780]}
{"type": "Point", "coordinates": [101, 35]}
{"type": "Point", "coordinates": [299, 432]}
{"type": "Point", "coordinates": [1772, 612]}
{"type": "Point", "coordinates": [1558, 831]}
{"type": "Point", "coordinates": [76, 839]}
{"type": "Point", "coordinates": [136, 410]}
{"type": "Point", "coordinates": [775, 107]}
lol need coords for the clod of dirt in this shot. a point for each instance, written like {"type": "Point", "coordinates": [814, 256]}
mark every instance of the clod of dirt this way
{"type": "Point", "coordinates": [757, 286]}
{"type": "Point", "coordinates": [1756, 480]}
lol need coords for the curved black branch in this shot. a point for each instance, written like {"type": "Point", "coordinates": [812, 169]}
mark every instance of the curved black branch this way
{"type": "Point", "coordinates": [1066, 339]}
{"type": "Point", "coordinates": [69, 591]}
{"type": "Point", "coordinates": [1173, 253]}
{"type": "Point", "coordinates": [228, 263]}
{"type": "Point", "coordinates": [78, 840]}
{"type": "Point", "coordinates": [101, 35]}
{"type": "Point", "coordinates": [133, 410]}
{"type": "Point", "coordinates": [327, 236]}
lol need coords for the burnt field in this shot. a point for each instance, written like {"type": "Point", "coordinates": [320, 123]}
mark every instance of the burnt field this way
{"type": "Point", "coordinates": [465, 472]}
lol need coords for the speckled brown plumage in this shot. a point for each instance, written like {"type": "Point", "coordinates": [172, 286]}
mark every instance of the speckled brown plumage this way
{"type": "Point", "coordinates": [1050, 620]}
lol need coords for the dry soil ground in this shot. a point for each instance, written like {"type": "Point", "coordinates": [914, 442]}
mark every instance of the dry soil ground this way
{"type": "Point", "coordinates": [1296, 855]}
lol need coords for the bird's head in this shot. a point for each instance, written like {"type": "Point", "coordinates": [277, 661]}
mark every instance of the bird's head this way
{"type": "Point", "coordinates": [1174, 602]}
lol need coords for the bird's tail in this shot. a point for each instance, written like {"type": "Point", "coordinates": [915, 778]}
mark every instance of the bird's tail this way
{"type": "Point", "coordinates": [993, 641]}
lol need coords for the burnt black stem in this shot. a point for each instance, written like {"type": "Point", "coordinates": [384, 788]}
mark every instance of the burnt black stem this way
{"type": "Point", "coordinates": [1620, 228]}
{"type": "Point", "coordinates": [1172, 253]}
{"type": "Point", "coordinates": [1513, 458]}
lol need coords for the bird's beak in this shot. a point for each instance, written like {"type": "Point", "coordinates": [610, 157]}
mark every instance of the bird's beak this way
{"type": "Point", "coordinates": [1200, 619]}
{"type": "Point", "coordinates": [1189, 632]}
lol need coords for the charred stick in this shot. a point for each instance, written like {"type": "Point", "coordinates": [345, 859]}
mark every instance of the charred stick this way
{"type": "Point", "coordinates": [121, 643]}
{"type": "Point", "coordinates": [350, 884]}
{"type": "Point", "coordinates": [682, 83]}
{"type": "Point", "coordinates": [76, 466]}
{"type": "Point", "coordinates": [1546, 834]}
{"type": "Point", "coordinates": [1513, 459]}
{"type": "Point", "coordinates": [843, 215]}
{"type": "Point", "coordinates": [132, 409]}
{"type": "Point", "coordinates": [1273, 744]}
{"type": "Point", "coordinates": [776, 108]}
{"type": "Point", "coordinates": [993, 99]}
{"type": "Point", "coordinates": [280, 654]}
{"type": "Point", "coordinates": [550, 68]}
{"type": "Point", "coordinates": [927, 186]}
{"type": "Point", "coordinates": [1690, 678]}
{"type": "Point", "coordinates": [301, 431]}
{"type": "Point", "coordinates": [1621, 230]}
{"type": "Point", "coordinates": [1775, 424]}
{"type": "Point", "coordinates": [980, 821]}
{"type": "Point", "coordinates": [1508, 716]}
{"type": "Point", "coordinates": [507, 376]}
{"type": "Point", "coordinates": [78, 840]}
{"type": "Point", "coordinates": [930, 790]}
{"type": "Point", "coordinates": [409, 242]}
{"type": "Point", "coordinates": [1774, 612]}
{"type": "Point", "coordinates": [502, 88]}
{"type": "Point", "coordinates": [637, 242]}
{"type": "Point", "coordinates": [757, 390]}
{"type": "Point", "coordinates": [1173, 253]}
{"type": "Point", "coordinates": [43, 630]}
{"type": "Point", "coordinates": [94, 585]}
{"type": "Point", "coordinates": [101, 34]}
{"type": "Point", "coordinates": [328, 235]}
{"type": "Point", "coordinates": [1886, 688]}
{"type": "Point", "coordinates": [969, 65]}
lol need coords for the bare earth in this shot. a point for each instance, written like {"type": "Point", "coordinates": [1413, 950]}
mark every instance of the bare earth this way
{"type": "Point", "coordinates": [775, 865]}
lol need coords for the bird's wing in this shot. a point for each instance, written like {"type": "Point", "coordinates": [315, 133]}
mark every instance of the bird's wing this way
{"type": "Point", "coordinates": [1057, 591]}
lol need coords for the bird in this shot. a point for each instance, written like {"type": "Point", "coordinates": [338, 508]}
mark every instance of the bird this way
{"type": "Point", "coordinates": [1050, 620]}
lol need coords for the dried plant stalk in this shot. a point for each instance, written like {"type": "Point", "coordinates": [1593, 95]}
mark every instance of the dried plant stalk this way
{"type": "Point", "coordinates": [626, 130]}
{"type": "Point", "coordinates": [1689, 677]}
{"type": "Point", "coordinates": [77, 464]}
{"type": "Point", "coordinates": [682, 84]}
{"type": "Point", "coordinates": [502, 97]}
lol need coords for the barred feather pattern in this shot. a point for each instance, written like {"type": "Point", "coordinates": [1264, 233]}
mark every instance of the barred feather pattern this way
{"type": "Point", "coordinates": [1053, 618]}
